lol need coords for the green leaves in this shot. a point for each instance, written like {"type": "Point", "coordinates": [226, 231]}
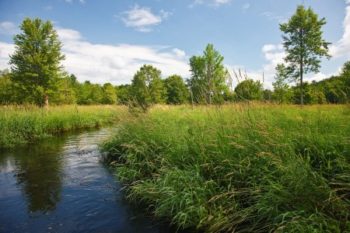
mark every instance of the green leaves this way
{"type": "Point", "coordinates": [36, 60]}
{"type": "Point", "coordinates": [249, 90]}
{"type": "Point", "coordinates": [147, 87]}
{"type": "Point", "coordinates": [177, 92]}
{"type": "Point", "coordinates": [303, 42]}
{"type": "Point", "coordinates": [209, 76]}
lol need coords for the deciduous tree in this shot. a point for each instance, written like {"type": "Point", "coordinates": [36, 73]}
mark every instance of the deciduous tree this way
{"type": "Point", "coordinates": [304, 44]}
{"type": "Point", "coordinates": [147, 87]}
{"type": "Point", "coordinates": [209, 76]}
{"type": "Point", "coordinates": [177, 92]}
{"type": "Point", "coordinates": [36, 60]}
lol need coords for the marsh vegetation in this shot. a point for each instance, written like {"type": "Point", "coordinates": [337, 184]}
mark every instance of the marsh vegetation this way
{"type": "Point", "coordinates": [239, 168]}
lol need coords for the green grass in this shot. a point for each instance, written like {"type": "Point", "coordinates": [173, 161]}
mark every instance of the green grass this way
{"type": "Point", "coordinates": [239, 168]}
{"type": "Point", "coordinates": [27, 124]}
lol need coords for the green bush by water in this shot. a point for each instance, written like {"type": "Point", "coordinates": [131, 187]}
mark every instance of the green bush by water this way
{"type": "Point", "coordinates": [239, 168]}
{"type": "Point", "coordinates": [25, 124]}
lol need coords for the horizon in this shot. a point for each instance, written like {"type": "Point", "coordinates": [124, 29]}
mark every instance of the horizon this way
{"type": "Point", "coordinates": [122, 36]}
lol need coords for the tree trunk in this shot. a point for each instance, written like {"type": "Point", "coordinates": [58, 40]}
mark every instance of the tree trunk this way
{"type": "Point", "coordinates": [46, 101]}
{"type": "Point", "coordinates": [301, 67]}
{"type": "Point", "coordinates": [301, 83]}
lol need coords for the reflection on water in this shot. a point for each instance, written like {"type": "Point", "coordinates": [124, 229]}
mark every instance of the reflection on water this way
{"type": "Point", "coordinates": [60, 185]}
{"type": "Point", "coordinates": [39, 173]}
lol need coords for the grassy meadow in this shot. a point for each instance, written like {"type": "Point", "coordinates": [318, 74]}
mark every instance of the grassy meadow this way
{"type": "Point", "coordinates": [26, 124]}
{"type": "Point", "coordinates": [239, 168]}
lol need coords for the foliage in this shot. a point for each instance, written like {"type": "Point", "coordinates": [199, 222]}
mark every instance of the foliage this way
{"type": "Point", "coordinates": [282, 92]}
{"type": "Point", "coordinates": [6, 88]}
{"type": "Point", "coordinates": [109, 94]}
{"type": "Point", "coordinates": [249, 90]}
{"type": "Point", "coordinates": [36, 60]}
{"type": "Point", "coordinates": [147, 87]}
{"type": "Point", "coordinates": [303, 42]}
{"type": "Point", "coordinates": [123, 94]}
{"type": "Point", "coordinates": [177, 92]}
{"type": "Point", "coordinates": [209, 76]}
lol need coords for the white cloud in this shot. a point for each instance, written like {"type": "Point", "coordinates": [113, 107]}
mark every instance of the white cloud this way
{"type": "Point", "coordinates": [68, 34]}
{"type": "Point", "coordinates": [71, 1]}
{"type": "Point", "coordinates": [5, 50]}
{"type": "Point", "coordinates": [8, 28]}
{"type": "Point", "coordinates": [246, 6]}
{"type": "Point", "coordinates": [342, 47]}
{"type": "Point", "coordinates": [178, 52]}
{"type": "Point", "coordinates": [142, 18]}
{"type": "Point", "coordinates": [214, 3]}
{"type": "Point", "coordinates": [102, 63]}
{"type": "Point", "coordinates": [274, 54]}
{"type": "Point", "coordinates": [221, 2]}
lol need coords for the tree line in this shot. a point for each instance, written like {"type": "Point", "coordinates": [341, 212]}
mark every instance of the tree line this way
{"type": "Point", "coordinates": [36, 75]}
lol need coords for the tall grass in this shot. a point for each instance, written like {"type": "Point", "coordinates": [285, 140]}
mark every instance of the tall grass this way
{"type": "Point", "coordinates": [239, 168]}
{"type": "Point", "coordinates": [25, 124]}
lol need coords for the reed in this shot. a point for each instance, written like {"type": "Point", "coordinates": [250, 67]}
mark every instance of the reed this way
{"type": "Point", "coordinates": [27, 124]}
{"type": "Point", "coordinates": [239, 168]}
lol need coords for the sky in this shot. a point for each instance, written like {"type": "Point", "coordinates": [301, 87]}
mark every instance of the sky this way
{"type": "Point", "coordinates": [109, 40]}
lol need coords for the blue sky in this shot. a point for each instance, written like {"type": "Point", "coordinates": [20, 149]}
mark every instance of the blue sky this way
{"type": "Point", "coordinates": [108, 40]}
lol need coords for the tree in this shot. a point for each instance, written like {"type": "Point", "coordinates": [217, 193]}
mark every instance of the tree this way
{"type": "Point", "coordinates": [209, 76]}
{"type": "Point", "coordinates": [147, 87]}
{"type": "Point", "coordinates": [96, 94]}
{"type": "Point", "coordinates": [109, 94]}
{"type": "Point", "coordinates": [123, 93]}
{"type": "Point", "coordinates": [267, 95]}
{"type": "Point", "coordinates": [282, 92]}
{"type": "Point", "coordinates": [36, 60]}
{"type": "Point", "coordinates": [7, 95]}
{"type": "Point", "coordinates": [249, 90]}
{"type": "Point", "coordinates": [304, 44]}
{"type": "Point", "coordinates": [177, 92]}
{"type": "Point", "coordinates": [64, 92]}
{"type": "Point", "coordinates": [345, 74]}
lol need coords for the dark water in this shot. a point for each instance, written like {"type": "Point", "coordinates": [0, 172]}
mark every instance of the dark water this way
{"type": "Point", "coordinates": [61, 185]}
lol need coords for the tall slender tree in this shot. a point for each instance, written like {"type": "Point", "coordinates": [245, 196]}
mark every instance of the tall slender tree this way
{"type": "Point", "coordinates": [304, 45]}
{"type": "Point", "coordinates": [209, 76]}
{"type": "Point", "coordinates": [36, 60]}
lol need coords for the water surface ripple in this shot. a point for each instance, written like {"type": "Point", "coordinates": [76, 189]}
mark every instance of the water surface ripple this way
{"type": "Point", "coordinates": [61, 185]}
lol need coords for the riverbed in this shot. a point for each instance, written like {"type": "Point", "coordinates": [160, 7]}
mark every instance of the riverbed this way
{"type": "Point", "coordinates": [62, 185]}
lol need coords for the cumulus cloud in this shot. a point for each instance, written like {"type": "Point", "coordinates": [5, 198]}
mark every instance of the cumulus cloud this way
{"type": "Point", "coordinates": [274, 54]}
{"type": "Point", "coordinates": [214, 3]}
{"type": "Point", "coordinates": [246, 6]}
{"type": "Point", "coordinates": [5, 50]}
{"type": "Point", "coordinates": [8, 28]}
{"type": "Point", "coordinates": [142, 18]}
{"type": "Point", "coordinates": [342, 47]}
{"type": "Point", "coordinates": [101, 63]}
{"type": "Point", "coordinates": [178, 52]}
{"type": "Point", "coordinates": [68, 34]}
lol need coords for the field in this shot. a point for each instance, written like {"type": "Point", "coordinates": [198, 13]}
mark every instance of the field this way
{"type": "Point", "coordinates": [26, 124]}
{"type": "Point", "coordinates": [239, 168]}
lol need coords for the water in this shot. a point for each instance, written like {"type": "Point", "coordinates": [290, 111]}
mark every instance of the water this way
{"type": "Point", "coordinates": [61, 185]}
